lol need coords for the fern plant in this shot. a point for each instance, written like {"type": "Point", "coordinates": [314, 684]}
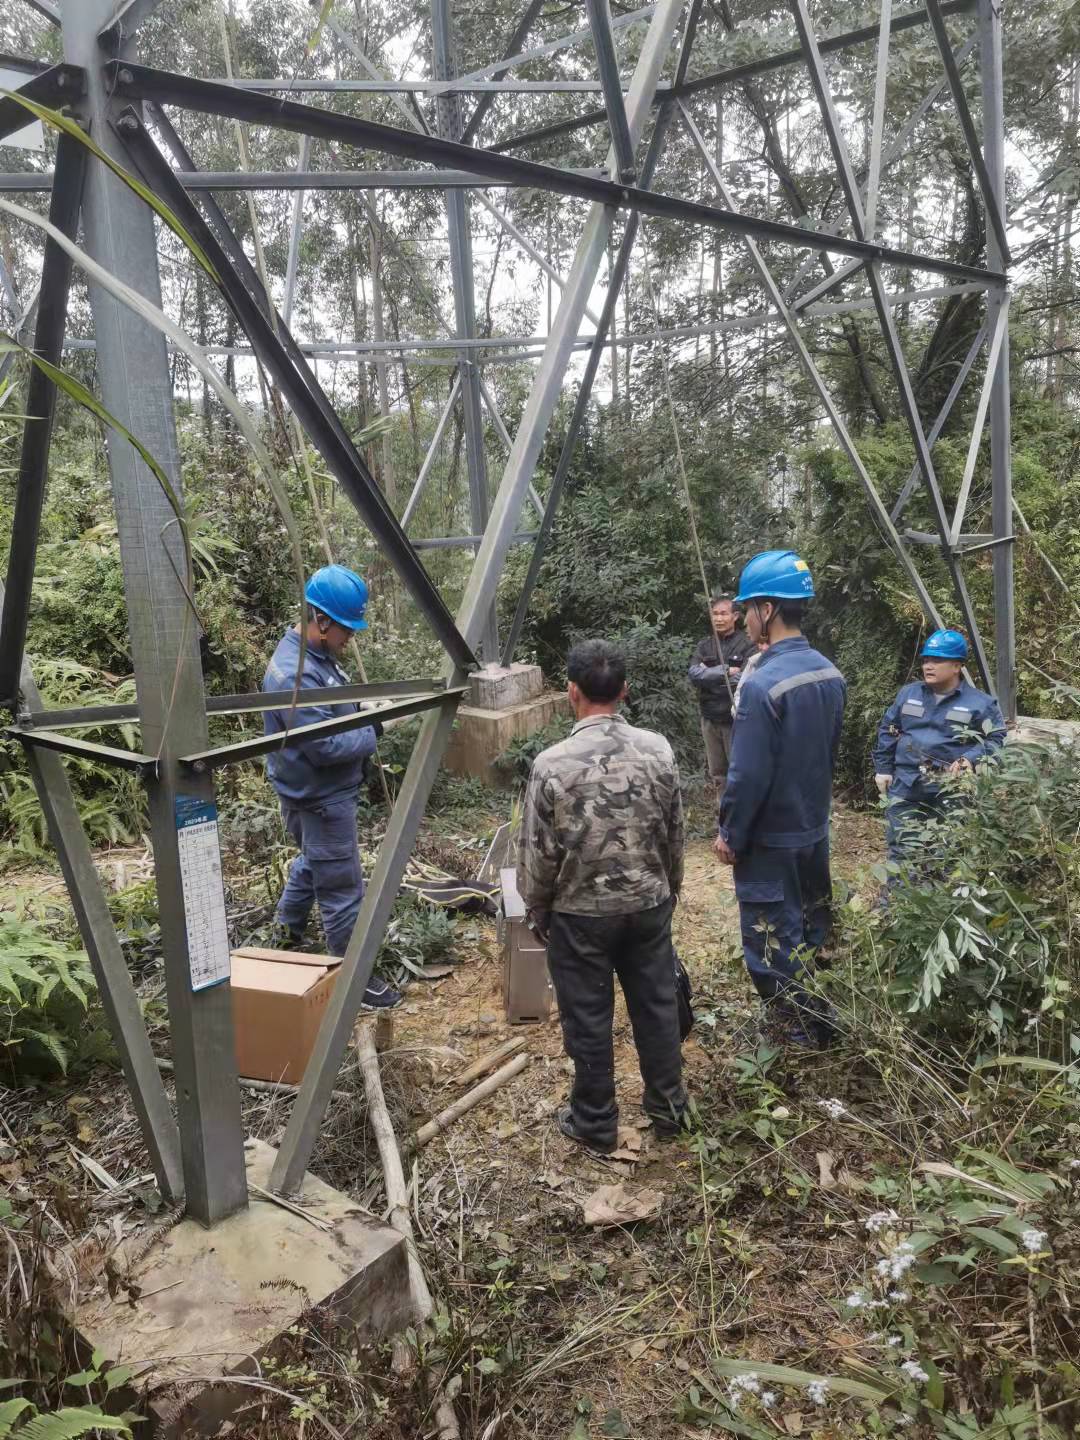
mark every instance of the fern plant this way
{"type": "Point", "coordinates": [45, 993]}
{"type": "Point", "coordinates": [22, 1420]}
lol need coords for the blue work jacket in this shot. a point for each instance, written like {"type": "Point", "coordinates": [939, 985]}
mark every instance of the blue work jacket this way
{"type": "Point", "coordinates": [922, 733]}
{"type": "Point", "coordinates": [313, 770]}
{"type": "Point", "coordinates": [787, 729]}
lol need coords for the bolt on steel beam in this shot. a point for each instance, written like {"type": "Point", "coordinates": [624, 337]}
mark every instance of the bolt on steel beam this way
{"type": "Point", "coordinates": [58, 86]}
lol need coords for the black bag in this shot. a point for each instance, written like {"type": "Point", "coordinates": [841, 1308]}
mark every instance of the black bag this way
{"type": "Point", "coordinates": [684, 996]}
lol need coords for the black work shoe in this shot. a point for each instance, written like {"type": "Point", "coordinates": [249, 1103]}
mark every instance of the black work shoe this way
{"type": "Point", "coordinates": [284, 937]}
{"type": "Point", "coordinates": [564, 1119]}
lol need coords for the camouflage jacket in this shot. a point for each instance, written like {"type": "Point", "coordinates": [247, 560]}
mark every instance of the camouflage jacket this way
{"type": "Point", "coordinates": [602, 832]}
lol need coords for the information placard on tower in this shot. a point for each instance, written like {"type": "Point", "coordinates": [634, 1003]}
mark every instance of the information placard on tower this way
{"type": "Point", "coordinates": [204, 891]}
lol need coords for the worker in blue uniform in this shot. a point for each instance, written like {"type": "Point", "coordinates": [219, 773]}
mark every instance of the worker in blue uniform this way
{"type": "Point", "coordinates": [318, 780]}
{"type": "Point", "coordinates": [937, 727]}
{"type": "Point", "coordinates": [774, 815]}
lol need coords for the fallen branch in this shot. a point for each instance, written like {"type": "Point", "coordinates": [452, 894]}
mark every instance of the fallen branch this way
{"type": "Point", "coordinates": [471, 1098]}
{"type": "Point", "coordinates": [264, 1087]}
{"type": "Point", "coordinates": [397, 1198]}
{"type": "Point", "coordinates": [489, 1060]}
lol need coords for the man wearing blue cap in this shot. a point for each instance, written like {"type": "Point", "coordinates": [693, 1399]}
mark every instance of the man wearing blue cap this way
{"type": "Point", "coordinates": [938, 726]}
{"type": "Point", "coordinates": [774, 815]}
{"type": "Point", "coordinates": [318, 780]}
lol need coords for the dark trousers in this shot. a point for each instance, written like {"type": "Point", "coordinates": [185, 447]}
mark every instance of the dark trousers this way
{"type": "Point", "coordinates": [785, 900]}
{"type": "Point", "coordinates": [327, 869]}
{"type": "Point", "coordinates": [906, 814]}
{"type": "Point", "coordinates": [585, 952]}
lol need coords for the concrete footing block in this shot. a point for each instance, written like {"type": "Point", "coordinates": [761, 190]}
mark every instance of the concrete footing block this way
{"type": "Point", "coordinates": [213, 1302]}
{"type": "Point", "coordinates": [480, 736]}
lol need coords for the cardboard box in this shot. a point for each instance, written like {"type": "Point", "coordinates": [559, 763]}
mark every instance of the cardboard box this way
{"type": "Point", "coordinates": [527, 989]}
{"type": "Point", "coordinates": [279, 1000]}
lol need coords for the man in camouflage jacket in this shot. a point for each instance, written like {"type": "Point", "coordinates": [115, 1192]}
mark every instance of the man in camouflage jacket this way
{"type": "Point", "coordinates": [600, 868]}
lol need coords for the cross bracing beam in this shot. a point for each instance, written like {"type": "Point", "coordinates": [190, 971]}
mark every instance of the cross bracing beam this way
{"type": "Point", "coordinates": [303, 1127]}
{"type": "Point", "coordinates": [24, 180]}
{"type": "Point", "coordinates": [483, 347]}
{"type": "Point", "coordinates": [115, 988]}
{"type": "Point", "coordinates": [274, 345]}
{"type": "Point", "coordinates": [908, 405]}
{"type": "Point", "coordinates": [55, 87]}
{"type": "Point", "coordinates": [76, 716]}
{"type": "Point", "coordinates": [166, 88]}
{"type": "Point", "coordinates": [733, 74]}
{"type": "Point", "coordinates": [40, 407]}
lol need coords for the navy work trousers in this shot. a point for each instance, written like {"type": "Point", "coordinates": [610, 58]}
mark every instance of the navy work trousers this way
{"type": "Point", "coordinates": [327, 869]}
{"type": "Point", "coordinates": [785, 899]}
{"type": "Point", "coordinates": [585, 953]}
{"type": "Point", "coordinates": [905, 814]}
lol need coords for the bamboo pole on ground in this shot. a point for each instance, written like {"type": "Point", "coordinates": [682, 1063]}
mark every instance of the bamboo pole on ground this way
{"type": "Point", "coordinates": [470, 1099]}
{"type": "Point", "coordinates": [397, 1198]}
{"type": "Point", "coordinates": [490, 1059]}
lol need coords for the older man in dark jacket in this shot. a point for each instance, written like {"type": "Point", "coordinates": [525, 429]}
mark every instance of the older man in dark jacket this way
{"type": "Point", "coordinates": [714, 672]}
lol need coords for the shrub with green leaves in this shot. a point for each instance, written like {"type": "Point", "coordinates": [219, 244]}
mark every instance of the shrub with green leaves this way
{"type": "Point", "coordinates": [977, 945]}
{"type": "Point", "coordinates": [46, 990]}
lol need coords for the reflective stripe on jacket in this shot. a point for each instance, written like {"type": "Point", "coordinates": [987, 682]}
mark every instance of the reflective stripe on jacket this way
{"type": "Point", "coordinates": [787, 729]}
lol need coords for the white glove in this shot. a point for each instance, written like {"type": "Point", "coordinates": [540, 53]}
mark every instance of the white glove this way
{"type": "Point", "coordinates": [883, 782]}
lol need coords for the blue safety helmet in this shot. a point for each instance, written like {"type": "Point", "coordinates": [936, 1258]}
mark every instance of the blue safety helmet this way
{"type": "Point", "coordinates": [339, 593]}
{"type": "Point", "coordinates": [944, 645]}
{"type": "Point", "coordinates": [776, 575]}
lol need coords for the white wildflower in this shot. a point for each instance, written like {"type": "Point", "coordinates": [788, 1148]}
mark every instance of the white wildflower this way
{"type": "Point", "coordinates": [877, 1304]}
{"type": "Point", "coordinates": [881, 1220]}
{"type": "Point", "coordinates": [899, 1296]}
{"type": "Point", "coordinates": [855, 1301]}
{"type": "Point", "coordinates": [894, 1340]}
{"type": "Point", "coordinates": [896, 1265]}
{"type": "Point", "coordinates": [1074, 1164]}
{"type": "Point", "coordinates": [769, 1398]}
{"type": "Point", "coordinates": [834, 1109]}
{"type": "Point", "coordinates": [1033, 1241]}
{"type": "Point", "coordinates": [818, 1391]}
{"type": "Point", "coordinates": [742, 1385]}
{"type": "Point", "coordinates": [913, 1369]}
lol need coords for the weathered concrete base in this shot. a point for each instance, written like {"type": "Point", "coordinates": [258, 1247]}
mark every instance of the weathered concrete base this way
{"type": "Point", "coordinates": [481, 736]}
{"type": "Point", "coordinates": [1033, 730]}
{"type": "Point", "coordinates": [214, 1301]}
{"type": "Point", "coordinates": [498, 687]}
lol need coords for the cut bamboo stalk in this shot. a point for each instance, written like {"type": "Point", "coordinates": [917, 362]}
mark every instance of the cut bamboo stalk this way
{"type": "Point", "coordinates": [490, 1059]}
{"type": "Point", "coordinates": [397, 1198]}
{"type": "Point", "coordinates": [470, 1099]}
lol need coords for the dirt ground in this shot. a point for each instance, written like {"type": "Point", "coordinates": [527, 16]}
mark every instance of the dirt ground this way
{"type": "Point", "coordinates": [587, 1321]}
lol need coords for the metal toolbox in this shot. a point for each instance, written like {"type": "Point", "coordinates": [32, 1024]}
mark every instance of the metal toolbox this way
{"type": "Point", "coordinates": [527, 990]}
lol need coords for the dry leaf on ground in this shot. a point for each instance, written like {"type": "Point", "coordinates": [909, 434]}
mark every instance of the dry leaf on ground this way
{"type": "Point", "coordinates": [620, 1204]}
{"type": "Point", "coordinates": [826, 1160]}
